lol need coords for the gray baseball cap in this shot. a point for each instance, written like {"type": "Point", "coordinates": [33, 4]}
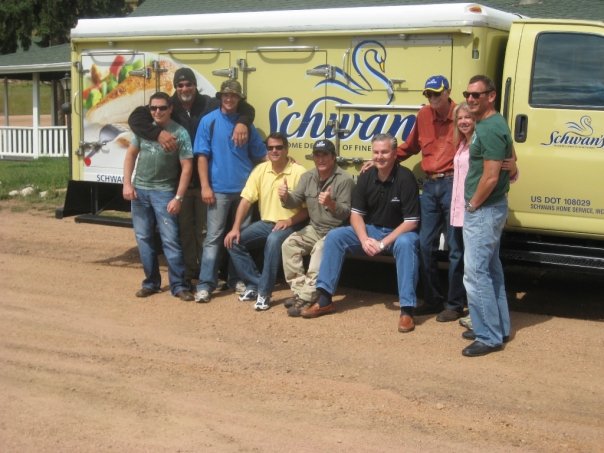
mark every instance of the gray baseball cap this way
{"type": "Point", "coordinates": [324, 146]}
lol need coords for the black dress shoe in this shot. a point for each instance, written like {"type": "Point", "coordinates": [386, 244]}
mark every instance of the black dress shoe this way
{"type": "Point", "coordinates": [146, 292]}
{"type": "Point", "coordinates": [425, 309]}
{"type": "Point", "coordinates": [478, 348]}
{"type": "Point", "coordinates": [448, 315]}
{"type": "Point", "coordinates": [185, 296]}
{"type": "Point", "coordinates": [470, 335]}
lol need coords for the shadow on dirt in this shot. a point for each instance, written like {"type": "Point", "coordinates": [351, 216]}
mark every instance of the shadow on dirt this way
{"type": "Point", "coordinates": [539, 290]}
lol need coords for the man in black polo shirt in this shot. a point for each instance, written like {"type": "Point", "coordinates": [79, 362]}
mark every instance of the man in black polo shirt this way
{"type": "Point", "coordinates": [384, 219]}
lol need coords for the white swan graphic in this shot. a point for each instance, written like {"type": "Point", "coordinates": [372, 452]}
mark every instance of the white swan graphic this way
{"type": "Point", "coordinates": [582, 128]}
{"type": "Point", "coordinates": [369, 63]}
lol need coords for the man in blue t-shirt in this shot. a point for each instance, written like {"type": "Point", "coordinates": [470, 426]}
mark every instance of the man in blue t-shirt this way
{"type": "Point", "coordinates": [223, 170]}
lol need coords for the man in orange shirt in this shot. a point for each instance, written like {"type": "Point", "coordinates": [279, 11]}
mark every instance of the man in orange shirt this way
{"type": "Point", "coordinates": [432, 134]}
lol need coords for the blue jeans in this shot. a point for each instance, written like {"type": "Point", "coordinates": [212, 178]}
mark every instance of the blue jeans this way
{"type": "Point", "coordinates": [150, 210]}
{"type": "Point", "coordinates": [219, 217]}
{"type": "Point", "coordinates": [260, 235]}
{"type": "Point", "coordinates": [343, 240]}
{"type": "Point", "coordinates": [483, 277]}
{"type": "Point", "coordinates": [435, 209]}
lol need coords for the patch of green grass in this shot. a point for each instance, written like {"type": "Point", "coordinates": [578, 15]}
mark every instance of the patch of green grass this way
{"type": "Point", "coordinates": [44, 174]}
{"type": "Point", "coordinates": [20, 98]}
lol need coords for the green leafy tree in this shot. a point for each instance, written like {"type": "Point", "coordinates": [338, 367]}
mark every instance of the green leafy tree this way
{"type": "Point", "coordinates": [16, 19]}
{"type": "Point", "coordinates": [48, 22]}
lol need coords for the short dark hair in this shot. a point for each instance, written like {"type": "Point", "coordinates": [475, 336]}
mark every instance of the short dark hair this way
{"type": "Point", "coordinates": [161, 95]}
{"type": "Point", "coordinates": [385, 137]}
{"type": "Point", "coordinates": [487, 81]}
{"type": "Point", "coordinates": [278, 136]}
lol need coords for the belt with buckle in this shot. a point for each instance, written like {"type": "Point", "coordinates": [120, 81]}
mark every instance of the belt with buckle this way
{"type": "Point", "coordinates": [439, 175]}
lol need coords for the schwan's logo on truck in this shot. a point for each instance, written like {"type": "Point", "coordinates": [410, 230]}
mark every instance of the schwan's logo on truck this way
{"type": "Point", "coordinates": [369, 63]}
{"type": "Point", "coordinates": [578, 134]}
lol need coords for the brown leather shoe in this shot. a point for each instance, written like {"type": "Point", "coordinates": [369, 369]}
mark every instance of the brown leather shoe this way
{"type": "Point", "coordinates": [315, 310]}
{"type": "Point", "coordinates": [406, 323]}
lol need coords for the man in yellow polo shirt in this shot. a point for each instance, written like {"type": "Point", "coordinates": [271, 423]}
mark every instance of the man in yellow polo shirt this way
{"type": "Point", "coordinates": [275, 225]}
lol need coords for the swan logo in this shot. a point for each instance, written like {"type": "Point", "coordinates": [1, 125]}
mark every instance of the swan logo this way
{"type": "Point", "coordinates": [577, 134]}
{"type": "Point", "coordinates": [369, 65]}
{"type": "Point", "coordinates": [369, 62]}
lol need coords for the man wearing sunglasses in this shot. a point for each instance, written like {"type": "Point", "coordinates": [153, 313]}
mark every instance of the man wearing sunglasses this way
{"type": "Point", "coordinates": [156, 194]}
{"type": "Point", "coordinates": [432, 134]}
{"type": "Point", "coordinates": [486, 189]}
{"type": "Point", "coordinates": [275, 225]}
{"type": "Point", "coordinates": [189, 106]}
{"type": "Point", "coordinates": [223, 168]}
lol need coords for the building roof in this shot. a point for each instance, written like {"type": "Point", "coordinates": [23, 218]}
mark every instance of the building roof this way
{"type": "Point", "coordinates": [48, 61]}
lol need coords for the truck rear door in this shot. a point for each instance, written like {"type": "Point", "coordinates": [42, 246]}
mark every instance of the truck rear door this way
{"type": "Point", "coordinates": [279, 87]}
{"type": "Point", "coordinates": [113, 84]}
{"type": "Point", "coordinates": [379, 88]}
{"type": "Point", "coordinates": [555, 91]}
{"type": "Point", "coordinates": [211, 65]}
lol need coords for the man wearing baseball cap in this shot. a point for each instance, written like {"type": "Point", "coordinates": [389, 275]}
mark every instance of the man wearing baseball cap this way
{"type": "Point", "coordinates": [432, 135]}
{"type": "Point", "coordinates": [223, 168]}
{"type": "Point", "coordinates": [326, 190]}
{"type": "Point", "coordinates": [189, 107]}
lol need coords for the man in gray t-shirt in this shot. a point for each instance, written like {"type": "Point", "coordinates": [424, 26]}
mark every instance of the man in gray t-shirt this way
{"type": "Point", "coordinates": [156, 194]}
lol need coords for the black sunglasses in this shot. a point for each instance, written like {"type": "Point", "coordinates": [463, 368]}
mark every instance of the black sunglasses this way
{"type": "Point", "coordinates": [277, 147]}
{"type": "Point", "coordinates": [475, 94]}
{"type": "Point", "coordinates": [184, 85]}
{"type": "Point", "coordinates": [161, 108]}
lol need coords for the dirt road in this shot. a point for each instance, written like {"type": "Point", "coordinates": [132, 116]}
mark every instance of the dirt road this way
{"type": "Point", "coordinates": [86, 366]}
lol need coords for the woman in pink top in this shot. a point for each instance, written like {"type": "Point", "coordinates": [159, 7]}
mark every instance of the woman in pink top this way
{"type": "Point", "coordinates": [464, 129]}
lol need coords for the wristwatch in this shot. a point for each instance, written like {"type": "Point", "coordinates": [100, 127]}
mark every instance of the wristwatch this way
{"type": "Point", "coordinates": [469, 207]}
{"type": "Point", "coordinates": [382, 246]}
{"type": "Point", "coordinates": [178, 198]}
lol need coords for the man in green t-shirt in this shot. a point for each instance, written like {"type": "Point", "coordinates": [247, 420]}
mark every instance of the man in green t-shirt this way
{"type": "Point", "coordinates": [156, 194]}
{"type": "Point", "coordinates": [486, 190]}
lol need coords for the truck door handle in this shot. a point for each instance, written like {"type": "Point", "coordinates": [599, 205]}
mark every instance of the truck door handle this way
{"type": "Point", "coordinates": [520, 128]}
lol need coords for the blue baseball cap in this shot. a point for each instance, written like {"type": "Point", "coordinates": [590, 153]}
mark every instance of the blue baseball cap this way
{"type": "Point", "coordinates": [436, 83]}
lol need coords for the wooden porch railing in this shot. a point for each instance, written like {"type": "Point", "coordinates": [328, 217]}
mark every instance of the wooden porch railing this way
{"type": "Point", "coordinates": [21, 142]}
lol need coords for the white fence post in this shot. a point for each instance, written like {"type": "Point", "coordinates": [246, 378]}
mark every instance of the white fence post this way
{"type": "Point", "coordinates": [36, 114]}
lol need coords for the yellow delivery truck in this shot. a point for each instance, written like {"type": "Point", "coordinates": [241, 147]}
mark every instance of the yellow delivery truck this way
{"type": "Point", "coordinates": [346, 74]}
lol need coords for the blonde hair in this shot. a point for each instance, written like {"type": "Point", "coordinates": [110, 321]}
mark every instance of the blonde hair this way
{"type": "Point", "coordinates": [458, 137]}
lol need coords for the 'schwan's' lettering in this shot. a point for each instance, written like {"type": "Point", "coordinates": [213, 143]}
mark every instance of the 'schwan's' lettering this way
{"type": "Point", "coordinates": [573, 139]}
{"type": "Point", "coordinates": [117, 179]}
{"type": "Point", "coordinates": [312, 124]}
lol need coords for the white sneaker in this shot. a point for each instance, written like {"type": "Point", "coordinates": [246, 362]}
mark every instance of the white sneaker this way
{"type": "Point", "coordinates": [202, 296]}
{"type": "Point", "coordinates": [466, 322]}
{"type": "Point", "coordinates": [248, 295]}
{"type": "Point", "coordinates": [262, 303]}
{"type": "Point", "coordinates": [240, 287]}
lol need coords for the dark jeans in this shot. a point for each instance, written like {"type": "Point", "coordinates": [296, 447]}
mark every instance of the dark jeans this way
{"type": "Point", "coordinates": [435, 210]}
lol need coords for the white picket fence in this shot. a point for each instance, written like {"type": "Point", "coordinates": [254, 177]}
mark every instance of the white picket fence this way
{"type": "Point", "coordinates": [22, 142]}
